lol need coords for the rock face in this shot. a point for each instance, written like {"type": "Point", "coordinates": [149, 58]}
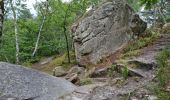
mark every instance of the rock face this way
{"type": "Point", "coordinates": [23, 83]}
{"type": "Point", "coordinates": [104, 30]}
{"type": "Point", "coordinates": [137, 25]}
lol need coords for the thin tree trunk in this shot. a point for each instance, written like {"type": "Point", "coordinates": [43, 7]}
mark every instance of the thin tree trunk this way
{"type": "Point", "coordinates": [38, 38]}
{"type": "Point", "coordinates": [1, 17]}
{"type": "Point", "coordinates": [65, 34]}
{"type": "Point", "coordinates": [16, 41]}
{"type": "Point", "coordinates": [40, 30]}
{"type": "Point", "coordinates": [16, 32]}
{"type": "Point", "coordinates": [68, 52]}
{"type": "Point", "coordinates": [7, 60]}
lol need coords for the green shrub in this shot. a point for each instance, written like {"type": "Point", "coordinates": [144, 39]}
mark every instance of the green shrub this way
{"type": "Point", "coordinates": [111, 69]}
{"type": "Point", "coordinates": [85, 81]}
{"type": "Point", "coordinates": [125, 72]}
{"type": "Point", "coordinates": [163, 74]}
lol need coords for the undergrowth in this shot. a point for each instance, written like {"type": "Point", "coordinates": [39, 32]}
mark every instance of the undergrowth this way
{"type": "Point", "coordinates": [59, 61]}
{"type": "Point", "coordinates": [125, 72]}
{"type": "Point", "coordinates": [163, 74]}
{"type": "Point", "coordinates": [85, 82]}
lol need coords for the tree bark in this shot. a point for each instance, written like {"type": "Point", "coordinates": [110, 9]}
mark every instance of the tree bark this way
{"type": "Point", "coordinates": [65, 34]}
{"type": "Point", "coordinates": [40, 30]}
{"type": "Point", "coordinates": [16, 32]}
{"type": "Point", "coordinates": [68, 52]}
{"type": "Point", "coordinates": [38, 38]}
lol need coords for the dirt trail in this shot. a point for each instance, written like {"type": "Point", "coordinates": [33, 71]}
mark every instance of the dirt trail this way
{"type": "Point", "coordinates": [42, 62]}
{"type": "Point", "coordinates": [149, 53]}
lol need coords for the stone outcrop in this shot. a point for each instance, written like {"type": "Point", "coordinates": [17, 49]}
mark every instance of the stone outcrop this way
{"type": "Point", "coordinates": [104, 30]}
{"type": "Point", "coordinates": [137, 25]}
{"type": "Point", "coordinates": [21, 83]}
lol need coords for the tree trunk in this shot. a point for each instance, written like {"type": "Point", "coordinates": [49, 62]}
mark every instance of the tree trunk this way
{"type": "Point", "coordinates": [38, 38]}
{"type": "Point", "coordinates": [1, 17]}
{"type": "Point", "coordinates": [65, 34]}
{"type": "Point", "coordinates": [16, 32]}
{"type": "Point", "coordinates": [68, 52]}
{"type": "Point", "coordinates": [40, 30]}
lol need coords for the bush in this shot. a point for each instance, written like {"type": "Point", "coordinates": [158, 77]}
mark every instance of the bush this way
{"type": "Point", "coordinates": [163, 66]}
{"type": "Point", "coordinates": [85, 81]}
{"type": "Point", "coordinates": [125, 72]}
{"type": "Point", "coordinates": [163, 74]}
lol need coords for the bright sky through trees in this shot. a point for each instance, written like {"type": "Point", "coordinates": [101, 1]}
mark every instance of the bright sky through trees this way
{"type": "Point", "coordinates": [30, 4]}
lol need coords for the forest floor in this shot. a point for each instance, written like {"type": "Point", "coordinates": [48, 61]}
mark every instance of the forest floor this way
{"type": "Point", "coordinates": [130, 78]}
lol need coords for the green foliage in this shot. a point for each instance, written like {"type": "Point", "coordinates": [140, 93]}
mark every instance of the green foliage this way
{"type": "Point", "coordinates": [163, 66]}
{"type": "Point", "coordinates": [125, 72]}
{"type": "Point", "coordinates": [111, 69]}
{"type": "Point", "coordinates": [59, 60]}
{"type": "Point", "coordinates": [148, 3]}
{"type": "Point", "coordinates": [60, 16]}
{"type": "Point", "coordinates": [134, 4]}
{"type": "Point", "coordinates": [85, 81]}
{"type": "Point", "coordinates": [163, 74]}
{"type": "Point", "coordinates": [162, 95]}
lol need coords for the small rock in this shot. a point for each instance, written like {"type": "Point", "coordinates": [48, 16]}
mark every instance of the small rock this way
{"type": "Point", "coordinates": [59, 71]}
{"type": "Point", "coordinates": [134, 98]}
{"type": "Point", "coordinates": [152, 97]}
{"type": "Point", "coordinates": [166, 28]}
{"type": "Point", "coordinates": [74, 74]}
{"type": "Point", "coordinates": [76, 69]}
{"type": "Point", "coordinates": [72, 78]}
{"type": "Point", "coordinates": [100, 72]}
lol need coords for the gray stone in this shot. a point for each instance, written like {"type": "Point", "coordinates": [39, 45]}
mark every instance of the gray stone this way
{"type": "Point", "coordinates": [104, 31]}
{"type": "Point", "coordinates": [59, 71]}
{"type": "Point", "coordinates": [137, 25]}
{"type": "Point", "coordinates": [152, 97]}
{"type": "Point", "coordinates": [75, 73]}
{"type": "Point", "coordinates": [166, 28]}
{"type": "Point", "coordinates": [100, 72]}
{"type": "Point", "coordinates": [23, 83]}
{"type": "Point", "coordinates": [77, 70]}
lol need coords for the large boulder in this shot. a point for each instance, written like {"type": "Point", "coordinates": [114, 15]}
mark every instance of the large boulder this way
{"type": "Point", "coordinates": [104, 30]}
{"type": "Point", "coordinates": [23, 83]}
